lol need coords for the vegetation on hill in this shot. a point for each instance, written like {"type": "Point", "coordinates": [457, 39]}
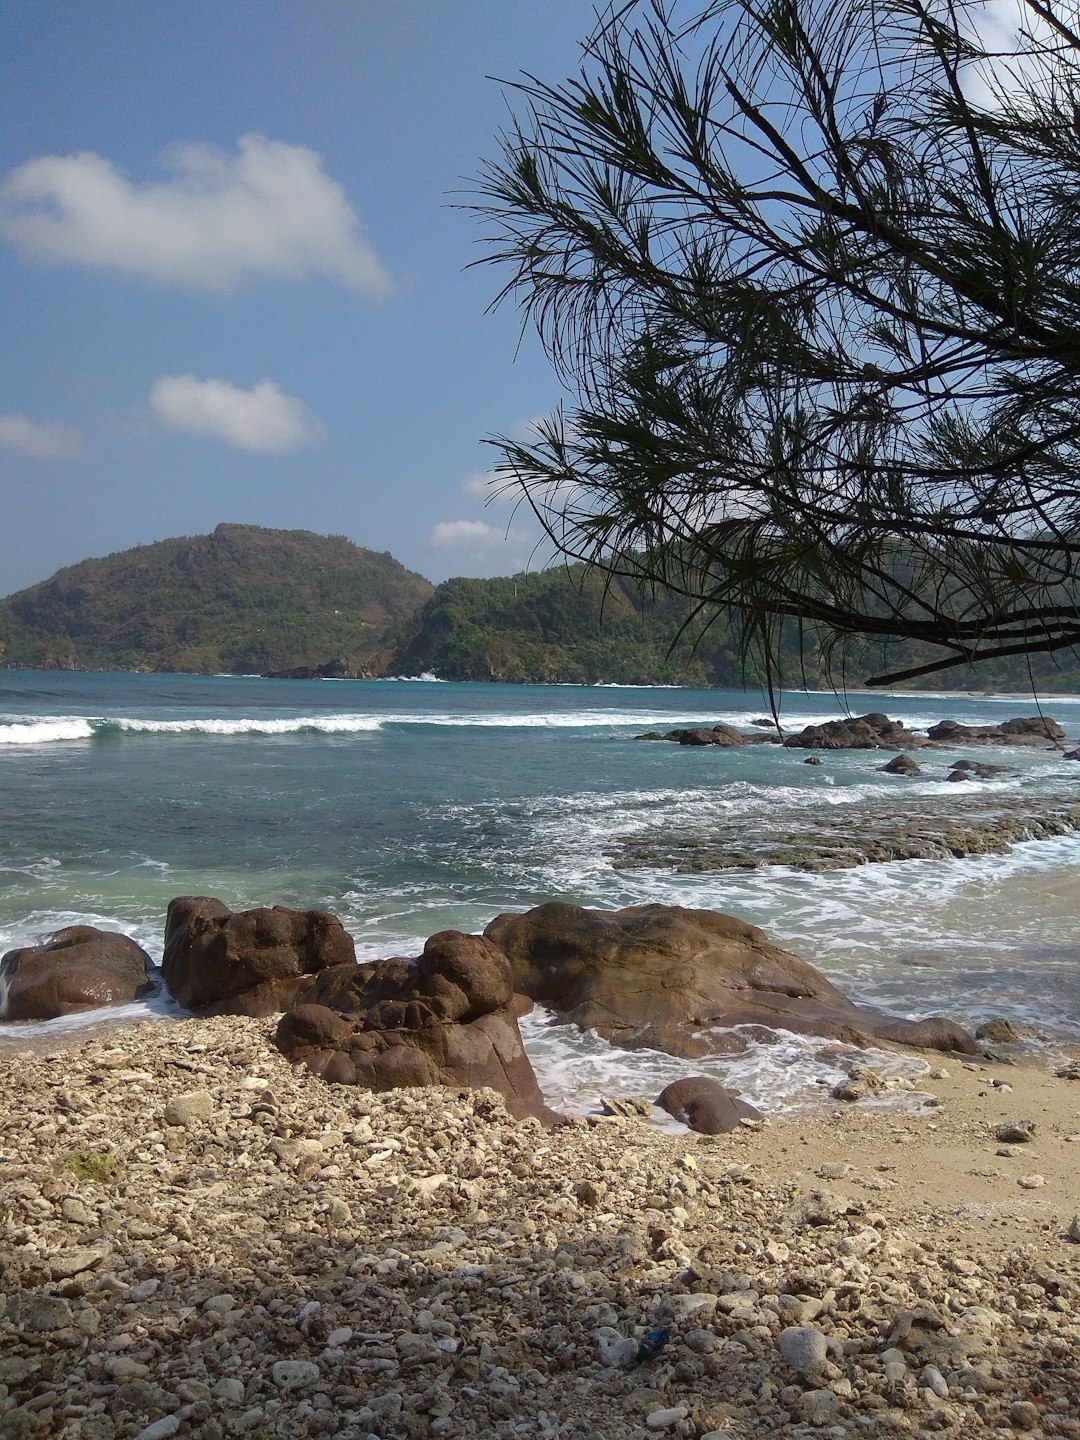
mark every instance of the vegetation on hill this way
{"type": "Point", "coordinates": [573, 625]}
{"type": "Point", "coordinates": [249, 600]}
{"type": "Point", "coordinates": [242, 600]}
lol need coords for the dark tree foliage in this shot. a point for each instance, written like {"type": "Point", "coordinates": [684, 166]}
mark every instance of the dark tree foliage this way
{"type": "Point", "coordinates": [810, 273]}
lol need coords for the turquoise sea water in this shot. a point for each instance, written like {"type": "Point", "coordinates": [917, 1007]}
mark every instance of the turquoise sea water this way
{"type": "Point", "coordinates": [407, 807]}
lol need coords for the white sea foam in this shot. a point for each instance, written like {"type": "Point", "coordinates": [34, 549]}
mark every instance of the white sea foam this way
{"type": "Point", "coordinates": [576, 1068]}
{"type": "Point", "coordinates": [46, 732]}
{"type": "Point", "coordinates": [253, 725]}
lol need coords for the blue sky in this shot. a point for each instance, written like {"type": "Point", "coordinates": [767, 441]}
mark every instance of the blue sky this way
{"type": "Point", "coordinates": [232, 277]}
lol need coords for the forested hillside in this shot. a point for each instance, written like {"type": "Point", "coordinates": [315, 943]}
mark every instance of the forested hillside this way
{"type": "Point", "coordinates": [564, 625]}
{"type": "Point", "coordinates": [249, 600]}
{"type": "Point", "coordinates": [243, 600]}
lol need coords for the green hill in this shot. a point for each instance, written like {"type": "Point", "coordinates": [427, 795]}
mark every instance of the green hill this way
{"type": "Point", "coordinates": [564, 625]}
{"type": "Point", "coordinates": [558, 626]}
{"type": "Point", "coordinates": [245, 600]}
{"type": "Point", "coordinates": [241, 600]}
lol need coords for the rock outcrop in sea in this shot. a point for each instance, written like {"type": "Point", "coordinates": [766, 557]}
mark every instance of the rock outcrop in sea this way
{"type": "Point", "coordinates": [251, 962]}
{"type": "Point", "coordinates": [680, 980]}
{"type": "Point", "coordinates": [79, 968]}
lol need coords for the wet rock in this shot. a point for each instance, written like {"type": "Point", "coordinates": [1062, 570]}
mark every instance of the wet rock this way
{"type": "Point", "coordinates": [445, 1018]}
{"type": "Point", "coordinates": [971, 770]}
{"type": "Point", "coordinates": [902, 765]}
{"type": "Point", "coordinates": [999, 1030]}
{"type": "Point", "coordinates": [705, 1105]}
{"type": "Point", "coordinates": [629, 1106]}
{"type": "Point", "coordinates": [1037, 730]}
{"type": "Point", "coordinates": [76, 969]}
{"type": "Point", "coordinates": [866, 732]}
{"type": "Point", "coordinates": [679, 980]}
{"type": "Point", "coordinates": [253, 962]}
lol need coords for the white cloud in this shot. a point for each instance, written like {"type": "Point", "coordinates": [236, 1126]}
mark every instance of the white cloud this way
{"type": "Point", "coordinates": [997, 25]}
{"type": "Point", "coordinates": [484, 486]}
{"type": "Point", "coordinates": [465, 534]}
{"type": "Point", "coordinates": [50, 441]}
{"type": "Point", "coordinates": [262, 418]}
{"type": "Point", "coordinates": [268, 210]}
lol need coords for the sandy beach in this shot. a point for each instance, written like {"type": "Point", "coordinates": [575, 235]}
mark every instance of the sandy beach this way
{"type": "Point", "coordinates": [200, 1239]}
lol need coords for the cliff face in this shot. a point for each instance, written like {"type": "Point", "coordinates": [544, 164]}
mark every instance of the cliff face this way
{"type": "Point", "coordinates": [243, 599]}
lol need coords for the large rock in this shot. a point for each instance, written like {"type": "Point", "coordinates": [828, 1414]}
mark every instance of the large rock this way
{"type": "Point", "coordinates": [705, 1105]}
{"type": "Point", "coordinates": [445, 1018]}
{"type": "Point", "coordinates": [679, 980]}
{"type": "Point", "coordinates": [1038, 730]}
{"type": "Point", "coordinates": [76, 969]}
{"type": "Point", "coordinates": [253, 962]}
{"type": "Point", "coordinates": [866, 732]}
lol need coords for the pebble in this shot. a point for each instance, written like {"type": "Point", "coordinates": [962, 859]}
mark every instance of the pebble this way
{"type": "Point", "coordinates": [662, 1419]}
{"type": "Point", "coordinates": [160, 1429]}
{"type": "Point", "coordinates": [295, 1374]}
{"type": "Point", "coordinates": [804, 1348]}
{"type": "Point", "coordinates": [77, 1211]}
{"type": "Point", "coordinates": [1019, 1132]}
{"type": "Point", "coordinates": [225, 1301]}
{"type": "Point", "coordinates": [189, 1109]}
{"type": "Point", "coordinates": [818, 1407]}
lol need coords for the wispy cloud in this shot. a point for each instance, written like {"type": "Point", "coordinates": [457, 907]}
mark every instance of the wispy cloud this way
{"type": "Point", "coordinates": [262, 418]}
{"type": "Point", "coordinates": [468, 534]}
{"type": "Point", "coordinates": [48, 441]}
{"type": "Point", "coordinates": [221, 219]}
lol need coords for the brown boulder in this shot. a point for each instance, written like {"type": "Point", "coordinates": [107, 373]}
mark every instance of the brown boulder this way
{"type": "Point", "coordinates": [679, 980]}
{"type": "Point", "coordinates": [1037, 730]}
{"type": "Point", "coordinates": [253, 962]}
{"type": "Point", "coordinates": [446, 1018]}
{"type": "Point", "coordinates": [76, 969]}
{"type": "Point", "coordinates": [866, 732]}
{"type": "Point", "coordinates": [902, 765]}
{"type": "Point", "coordinates": [705, 1105]}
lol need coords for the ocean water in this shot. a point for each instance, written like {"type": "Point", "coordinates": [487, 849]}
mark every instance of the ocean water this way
{"type": "Point", "coordinates": [410, 806]}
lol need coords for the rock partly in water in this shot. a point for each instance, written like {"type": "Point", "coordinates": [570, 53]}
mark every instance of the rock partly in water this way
{"type": "Point", "coordinates": [902, 765]}
{"type": "Point", "coordinates": [251, 962]}
{"type": "Point", "coordinates": [679, 980]}
{"type": "Point", "coordinates": [76, 969]}
{"type": "Point", "coordinates": [866, 732]}
{"type": "Point", "coordinates": [706, 1106]}
{"type": "Point", "coordinates": [1037, 730]}
{"type": "Point", "coordinates": [445, 1018]}
{"type": "Point", "coordinates": [972, 770]}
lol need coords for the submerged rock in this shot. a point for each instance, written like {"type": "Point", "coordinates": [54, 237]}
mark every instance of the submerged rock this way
{"type": "Point", "coordinates": [445, 1018]}
{"type": "Point", "coordinates": [679, 980]}
{"type": "Point", "coordinates": [251, 962]}
{"type": "Point", "coordinates": [76, 969]}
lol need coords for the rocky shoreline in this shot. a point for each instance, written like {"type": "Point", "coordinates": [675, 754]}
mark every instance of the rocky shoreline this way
{"type": "Point", "coordinates": [202, 1239]}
